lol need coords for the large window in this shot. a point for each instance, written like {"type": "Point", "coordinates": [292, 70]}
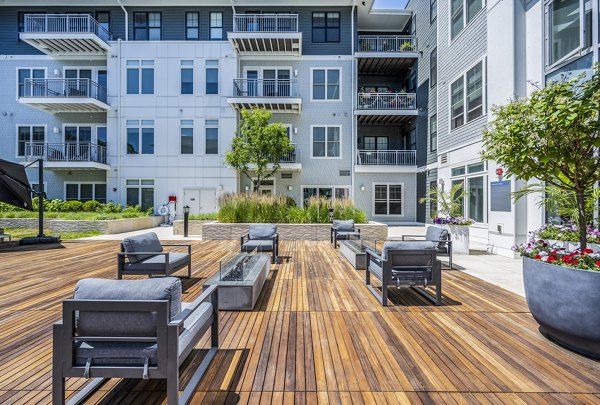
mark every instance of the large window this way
{"type": "Point", "coordinates": [467, 96]}
{"type": "Point", "coordinates": [187, 77]}
{"type": "Point", "coordinates": [86, 191]}
{"type": "Point", "coordinates": [565, 28]}
{"type": "Point", "coordinates": [192, 26]}
{"type": "Point", "coordinates": [212, 77]}
{"type": "Point", "coordinates": [376, 143]}
{"type": "Point", "coordinates": [140, 192]}
{"type": "Point", "coordinates": [329, 192]}
{"type": "Point", "coordinates": [326, 142]}
{"type": "Point", "coordinates": [433, 204]}
{"type": "Point", "coordinates": [29, 134]}
{"type": "Point", "coordinates": [325, 27]}
{"type": "Point", "coordinates": [212, 137]}
{"type": "Point", "coordinates": [433, 133]}
{"type": "Point", "coordinates": [326, 84]}
{"type": "Point", "coordinates": [387, 199]}
{"type": "Point", "coordinates": [187, 137]}
{"type": "Point", "coordinates": [140, 77]}
{"type": "Point", "coordinates": [30, 89]}
{"type": "Point", "coordinates": [473, 179]}
{"type": "Point", "coordinates": [433, 68]}
{"type": "Point", "coordinates": [216, 25]}
{"type": "Point", "coordinates": [140, 137]}
{"type": "Point", "coordinates": [459, 18]}
{"type": "Point", "coordinates": [147, 26]}
{"type": "Point", "coordinates": [432, 11]}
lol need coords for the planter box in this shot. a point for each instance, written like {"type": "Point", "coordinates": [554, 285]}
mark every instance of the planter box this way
{"type": "Point", "coordinates": [460, 238]}
{"type": "Point", "coordinates": [195, 226]}
{"type": "Point", "coordinates": [353, 253]}
{"type": "Point", "coordinates": [105, 226]}
{"type": "Point", "coordinates": [221, 231]}
{"type": "Point", "coordinates": [241, 294]}
{"type": "Point", "coordinates": [565, 302]}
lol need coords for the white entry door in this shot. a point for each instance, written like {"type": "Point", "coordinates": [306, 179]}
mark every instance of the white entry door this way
{"type": "Point", "coordinates": [200, 201]}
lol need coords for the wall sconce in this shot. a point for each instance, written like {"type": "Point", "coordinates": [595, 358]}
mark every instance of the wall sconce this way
{"type": "Point", "coordinates": [247, 188]}
{"type": "Point", "coordinates": [362, 187]}
{"type": "Point", "coordinates": [114, 189]}
{"type": "Point", "coordinates": [296, 72]}
{"type": "Point", "coordinates": [295, 130]}
{"type": "Point", "coordinates": [289, 188]}
{"type": "Point", "coordinates": [56, 72]}
{"type": "Point", "coordinates": [56, 130]}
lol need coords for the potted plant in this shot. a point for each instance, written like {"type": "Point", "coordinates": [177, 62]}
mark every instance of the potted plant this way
{"type": "Point", "coordinates": [449, 215]}
{"type": "Point", "coordinates": [553, 137]}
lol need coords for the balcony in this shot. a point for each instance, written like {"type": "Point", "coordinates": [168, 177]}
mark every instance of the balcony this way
{"type": "Point", "coordinates": [290, 162]}
{"type": "Point", "coordinates": [266, 34]}
{"type": "Point", "coordinates": [385, 108]}
{"type": "Point", "coordinates": [72, 156]}
{"type": "Point", "coordinates": [277, 95]}
{"type": "Point", "coordinates": [385, 54]}
{"type": "Point", "coordinates": [63, 95]}
{"type": "Point", "coordinates": [386, 161]}
{"type": "Point", "coordinates": [66, 35]}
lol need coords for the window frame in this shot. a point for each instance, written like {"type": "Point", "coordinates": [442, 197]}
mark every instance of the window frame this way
{"type": "Point", "coordinates": [433, 69]}
{"type": "Point", "coordinates": [432, 6]}
{"type": "Point", "coordinates": [212, 126]}
{"type": "Point", "coordinates": [79, 183]}
{"type": "Point", "coordinates": [465, 18]}
{"type": "Point", "coordinates": [326, 99]}
{"type": "Point", "coordinates": [312, 134]}
{"type": "Point", "coordinates": [402, 199]}
{"type": "Point", "coordinates": [30, 126]}
{"type": "Point", "coordinates": [210, 26]}
{"type": "Point", "coordinates": [326, 27]}
{"type": "Point", "coordinates": [465, 177]}
{"type": "Point", "coordinates": [548, 36]}
{"type": "Point", "coordinates": [140, 187]}
{"type": "Point", "coordinates": [147, 27]}
{"type": "Point", "coordinates": [186, 65]}
{"type": "Point", "coordinates": [186, 124]}
{"type": "Point", "coordinates": [188, 27]}
{"type": "Point", "coordinates": [333, 188]}
{"type": "Point", "coordinates": [463, 76]}
{"type": "Point", "coordinates": [433, 118]}
{"type": "Point", "coordinates": [31, 69]}
{"type": "Point", "coordinates": [141, 125]}
{"type": "Point", "coordinates": [208, 67]}
{"type": "Point", "coordinates": [140, 67]}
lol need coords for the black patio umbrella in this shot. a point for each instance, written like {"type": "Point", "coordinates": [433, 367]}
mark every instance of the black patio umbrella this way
{"type": "Point", "coordinates": [14, 186]}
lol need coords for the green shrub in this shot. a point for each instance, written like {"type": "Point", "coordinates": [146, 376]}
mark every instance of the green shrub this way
{"type": "Point", "coordinates": [72, 206]}
{"type": "Point", "coordinates": [112, 208]}
{"type": "Point", "coordinates": [203, 217]}
{"type": "Point", "coordinates": [92, 206]}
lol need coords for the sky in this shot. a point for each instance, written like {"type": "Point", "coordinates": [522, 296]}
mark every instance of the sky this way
{"type": "Point", "coordinates": [390, 3]}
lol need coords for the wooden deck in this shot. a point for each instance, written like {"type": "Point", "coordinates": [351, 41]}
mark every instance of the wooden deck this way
{"type": "Point", "coordinates": [316, 336]}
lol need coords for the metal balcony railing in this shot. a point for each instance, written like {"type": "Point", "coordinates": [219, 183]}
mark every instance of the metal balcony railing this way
{"type": "Point", "coordinates": [65, 23]}
{"type": "Point", "coordinates": [387, 157]}
{"type": "Point", "coordinates": [62, 88]}
{"type": "Point", "coordinates": [386, 101]}
{"type": "Point", "coordinates": [265, 23]}
{"type": "Point", "coordinates": [291, 156]}
{"type": "Point", "coordinates": [264, 88]}
{"type": "Point", "coordinates": [386, 43]}
{"type": "Point", "coordinates": [66, 152]}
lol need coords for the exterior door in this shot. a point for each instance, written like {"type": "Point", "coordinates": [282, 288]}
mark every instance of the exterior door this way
{"type": "Point", "coordinates": [200, 201]}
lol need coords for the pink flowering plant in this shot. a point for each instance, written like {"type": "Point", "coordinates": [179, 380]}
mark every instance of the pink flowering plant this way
{"type": "Point", "coordinates": [539, 249]}
{"type": "Point", "coordinates": [566, 232]}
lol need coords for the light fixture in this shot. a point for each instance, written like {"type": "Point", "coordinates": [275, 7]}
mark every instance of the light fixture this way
{"type": "Point", "coordinates": [56, 72]}
{"type": "Point", "coordinates": [289, 188]}
{"type": "Point", "coordinates": [296, 72]}
{"type": "Point", "coordinates": [56, 130]}
{"type": "Point", "coordinates": [295, 130]}
{"type": "Point", "coordinates": [247, 188]}
{"type": "Point", "coordinates": [362, 187]}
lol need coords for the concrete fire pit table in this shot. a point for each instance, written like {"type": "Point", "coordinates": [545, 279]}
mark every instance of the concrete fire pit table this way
{"type": "Point", "coordinates": [240, 280]}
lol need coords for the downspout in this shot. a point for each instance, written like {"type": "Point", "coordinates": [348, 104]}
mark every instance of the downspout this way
{"type": "Point", "coordinates": [119, 112]}
{"type": "Point", "coordinates": [126, 20]}
{"type": "Point", "coordinates": [354, 129]}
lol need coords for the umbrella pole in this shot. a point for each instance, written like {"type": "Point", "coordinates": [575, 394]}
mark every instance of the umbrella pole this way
{"type": "Point", "coordinates": [40, 194]}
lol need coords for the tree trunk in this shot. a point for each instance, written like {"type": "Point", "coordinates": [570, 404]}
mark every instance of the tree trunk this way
{"type": "Point", "coordinates": [582, 220]}
{"type": "Point", "coordinates": [256, 184]}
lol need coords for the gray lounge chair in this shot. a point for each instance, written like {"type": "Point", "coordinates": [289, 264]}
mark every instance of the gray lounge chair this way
{"type": "Point", "coordinates": [261, 238]}
{"type": "Point", "coordinates": [5, 235]}
{"type": "Point", "coordinates": [343, 230]}
{"type": "Point", "coordinates": [131, 329]}
{"type": "Point", "coordinates": [405, 264]}
{"type": "Point", "coordinates": [144, 255]}
{"type": "Point", "coordinates": [439, 235]}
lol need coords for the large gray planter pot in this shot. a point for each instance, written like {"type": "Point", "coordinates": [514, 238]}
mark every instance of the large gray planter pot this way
{"type": "Point", "coordinates": [565, 302]}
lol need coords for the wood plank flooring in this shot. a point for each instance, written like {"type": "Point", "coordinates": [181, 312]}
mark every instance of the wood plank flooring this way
{"type": "Point", "coordinates": [316, 336]}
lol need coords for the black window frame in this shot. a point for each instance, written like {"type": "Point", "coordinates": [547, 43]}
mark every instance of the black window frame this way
{"type": "Point", "coordinates": [197, 28]}
{"type": "Point", "coordinates": [147, 26]}
{"type": "Point", "coordinates": [326, 28]}
{"type": "Point", "coordinates": [432, 7]}
{"type": "Point", "coordinates": [210, 26]}
{"type": "Point", "coordinates": [433, 73]}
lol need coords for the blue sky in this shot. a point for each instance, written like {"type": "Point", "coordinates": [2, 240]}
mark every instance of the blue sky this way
{"type": "Point", "coordinates": [390, 3]}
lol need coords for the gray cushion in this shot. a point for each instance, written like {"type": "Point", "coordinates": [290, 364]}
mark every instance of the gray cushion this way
{"type": "Point", "coordinates": [125, 323]}
{"type": "Point", "coordinates": [193, 324]}
{"type": "Point", "coordinates": [346, 235]}
{"type": "Point", "coordinates": [157, 263]}
{"type": "Point", "coordinates": [435, 233]}
{"type": "Point", "coordinates": [405, 245]}
{"type": "Point", "coordinates": [259, 245]}
{"type": "Point", "coordinates": [147, 242]}
{"type": "Point", "coordinates": [262, 231]}
{"type": "Point", "coordinates": [116, 353]}
{"type": "Point", "coordinates": [343, 226]}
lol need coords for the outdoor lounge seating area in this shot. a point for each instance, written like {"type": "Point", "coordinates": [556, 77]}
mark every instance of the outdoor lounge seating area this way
{"type": "Point", "coordinates": [315, 335]}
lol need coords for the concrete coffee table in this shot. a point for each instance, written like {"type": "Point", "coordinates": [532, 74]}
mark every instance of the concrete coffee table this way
{"type": "Point", "coordinates": [240, 280]}
{"type": "Point", "coordinates": [354, 251]}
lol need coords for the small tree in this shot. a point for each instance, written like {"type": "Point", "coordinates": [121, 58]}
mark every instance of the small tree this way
{"type": "Point", "coordinates": [449, 203]}
{"type": "Point", "coordinates": [552, 136]}
{"type": "Point", "coordinates": [259, 146]}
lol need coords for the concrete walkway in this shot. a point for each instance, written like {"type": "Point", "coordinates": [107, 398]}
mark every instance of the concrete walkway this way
{"type": "Point", "coordinates": [498, 270]}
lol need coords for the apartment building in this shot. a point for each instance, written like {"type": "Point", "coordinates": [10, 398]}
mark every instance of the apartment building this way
{"type": "Point", "coordinates": [476, 54]}
{"type": "Point", "coordinates": [137, 103]}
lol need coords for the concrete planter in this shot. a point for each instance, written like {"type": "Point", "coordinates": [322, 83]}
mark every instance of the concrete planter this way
{"type": "Point", "coordinates": [105, 226]}
{"type": "Point", "coordinates": [221, 231]}
{"type": "Point", "coordinates": [195, 227]}
{"type": "Point", "coordinates": [565, 302]}
{"type": "Point", "coordinates": [460, 238]}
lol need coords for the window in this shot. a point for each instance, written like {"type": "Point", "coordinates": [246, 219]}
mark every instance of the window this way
{"type": "Point", "coordinates": [216, 25]}
{"type": "Point", "coordinates": [433, 68]}
{"type": "Point", "coordinates": [326, 27]}
{"type": "Point", "coordinates": [461, 202]}
{"type": "Point", "coordinates": [29, 134]}
{"type": "Point", "coordinates": [101, 137]}
{"type": "Point", "coordinates": [192, 26]}
{"type": "Point", "coordinates": [433, 133]}
{"type": "Point", "coordinates": [409, 140]}
{"type": "Point", "coordinates": [387, 199]}
{"type": "Point", "coordinates": [30, 89]}
{"type": "Point", "coordinates": [140, 77]}
{"type": "Point", "coordinates": [326, 84]}
{"type": "Point", "coordinates": [432, 11]}
{"type": "Point", "coordinates": [329, 192]}
{"type": "Point", "coordinates": [212, 137]}
{"type": "Point", "coordinates": [432, 202]}
{"type": "Point", "coordinates": [376, 143]}
{"type": "Point", "coordinates": [326, 142]}
{"type": "Point", "coordinates": [212, 77]}
{"type": "Point", "coordinates": [458, 18]}
{"type": "Point", "coordinates": [467, 90]}
{"type": "Point", "coordinates": [140, 137]}
{"type": "Point", "coordinates": [140, 192]}
{"type": "Point", "coordinates": [146, 26]}
{"type": "Point", "coordinates": [85, 191]}
{"type": "Point", "coordinates": [187, 137]}
{"type": "Point", "coordinates": [103, 18]}
{"type": "Point", "coordinates": [473, 203]}
{"type": "Point", "coordinates": [187, 77]}
{"type": "Point", "coordinates": [565, 28]}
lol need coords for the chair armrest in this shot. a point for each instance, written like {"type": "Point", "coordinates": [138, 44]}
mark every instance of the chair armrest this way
{"type": "Point", "coordinates": [374, 254]}
{"type": "Point", "coordinates": [245, 236]}
{"type": "Point", "coordinates": [205, 296]}
{"type": "Point", "coordinates": [142, 253]}
{"type": "Point", "coordinates": [412, 236]}
{"type": "Point", "coordinates": [189, 246]}
{"type": "Point", "coordinates": [275, 237]}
